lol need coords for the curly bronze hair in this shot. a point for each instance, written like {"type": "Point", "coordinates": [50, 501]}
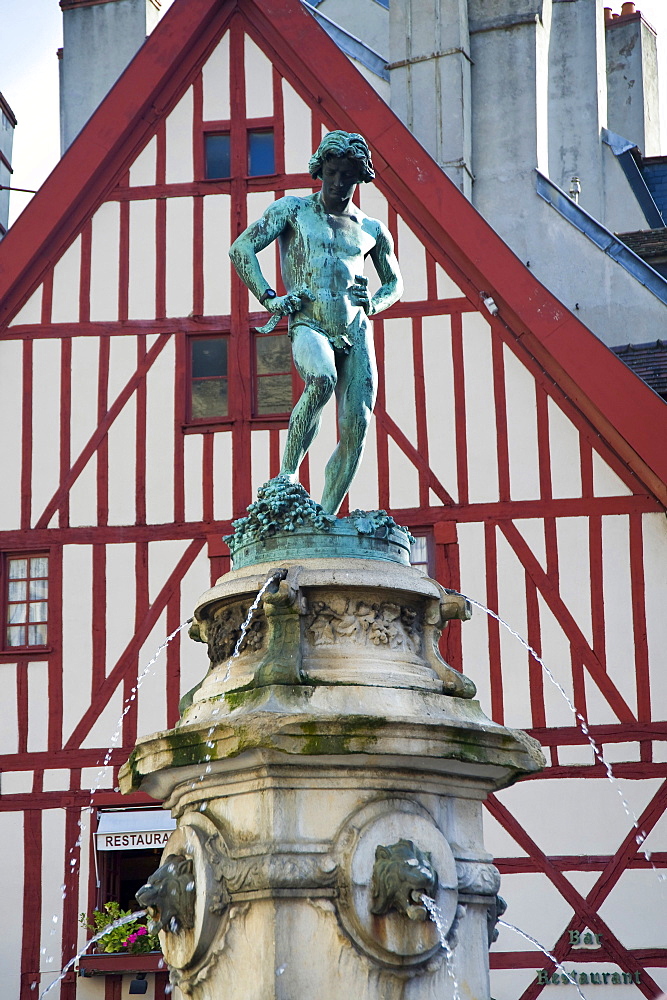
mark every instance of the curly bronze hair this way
{"type": "Point", "coordinates": [343, 144]}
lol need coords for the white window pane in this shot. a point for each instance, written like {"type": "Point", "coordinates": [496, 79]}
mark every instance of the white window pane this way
{"type": "Point", "coordinates": [15, 614]}
{"type": "Point", "coordinates": [419, 550]}
{"type": "Point", "coordinates": [16, 635]}
{"type": "Point", "coordinates": [17, 590]}
{"type": "Point", "coordinates": [39, 589]}
{"type": "Point", "coordinates": [18, 568]}
{"type": "Point", "coordinates": [38, 612]}
{"type": "Point", "coordinates": [39, 566]}
{"type": "Point", "coordinates": [37, 635]}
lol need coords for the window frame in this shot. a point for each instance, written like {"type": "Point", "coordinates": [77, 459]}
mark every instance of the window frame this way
{"type": "Point", "coordinates": [256, 129]}
{"type": "Point", "coordinates": [26, 649]}
{"type": "Point", "coordinates": [214, 131]}
{"type": "Point", "coordinates": [202, 423]}
{"type": "Point", "coordinates": [283, 416]}
{"type": "Point", "coordinates": [427, 534]}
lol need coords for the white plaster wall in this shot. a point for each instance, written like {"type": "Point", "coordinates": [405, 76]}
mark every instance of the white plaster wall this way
{"type": "Point", "coordinates": [258, 81]}
{"type": "Point", "coordinates": [45, 423]}
{"type": "Point", "coordinates": [399, 376]}
{"type": "Point", "coordinates": [122, 465]}
{"type": "Point", "coordinates": [9, 732]}
{"type": "Point", "coordinates": [179, 268]}
{"type": "Point", "coordinates": [66, 279]}
{"type": "Point", "coordinates": [120, 602]}
{"type": "Point", "coordinates": [403, 479]}
{"type": "Point", "coordinates": [222, 475]}
{"type": "Point", "coordinates": [514, 658]}
{"type": "Point", "coordinates": [31, 312]}
{"type": "Point", "coordinates": [447, 287]}
{"type": "Point", "coordinates": [11, 396]}
{"type": "Point", "coordinates": [364, 489]}
{"type": "Point", "coordinates": [142, 171]}
{"type": "Point", "coordinates": [141, 285]}
{"type": "Point", "coordinates": [106, 726]}
{"type": "Point", "coordinates": [297, 124]}
{"type": "Point", "coordinates": [574, 570]}
{"type": "Point", "coordinates": [439, 387]}
{"type": "Point", "coordinates": [532, 530]}
{"type": "Point", "coordinates": [160, 438]}
{"type": "Point", "coordinates": [11, 835]}
{"type": "Point", "coordinates": [192, 462]}
{"type": "Point", "coordinates": [480, 410]}
{"type": "Point", "coordinates": [606, 483]}
{"type": "Point", "coordinates": [556, 653]}
{"type": "Point", "coordinates": [77, 612]}
{"type": "Point", "coordinates": [655, 560]}
{"type": "Point", "coordinates": [259, 458]}
{"type": "Point", "coordinates": [152, 693]}
{"type": "Point", "coordinates": [564, 454]}
{"type": "Point", "coordinates": [617, 595]}
{"type": "Point", "coordinates": [179, 165]}
{"type": "Point", "coordinates": [216, 245]}
{"type": "Point", "coordinates": [104, 264]}
{"type": "Point", "coordinates": [412, 260]}
{"type": "Point", "coordinates": [215, 75]}
{"type": "Point", "coordinates": [521, 429]}
{"type": "Point", "coordinates": [53, 832]}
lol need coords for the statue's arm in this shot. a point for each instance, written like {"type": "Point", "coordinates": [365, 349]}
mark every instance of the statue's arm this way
{"type": "Point", "coordinates": [258, 236]}
{"type": "Point", "coordinates": [386, 265]}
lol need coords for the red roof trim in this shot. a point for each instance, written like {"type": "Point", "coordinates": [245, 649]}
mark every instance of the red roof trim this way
{"type": "Point", "coordinates": [628, 415]}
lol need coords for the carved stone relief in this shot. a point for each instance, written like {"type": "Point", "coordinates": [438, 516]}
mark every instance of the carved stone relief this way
{"type": "Point", "coordinates": [402, 874]}
{"type": "Point", "coordinates": [168, 896]}
{"type": "Point", "coordinates": [353, 620]}
{"type": "Point", "coordinates": [222, 632]}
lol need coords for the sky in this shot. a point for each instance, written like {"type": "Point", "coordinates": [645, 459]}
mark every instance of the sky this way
{"type": "Point", "coordinates": [32, 34]}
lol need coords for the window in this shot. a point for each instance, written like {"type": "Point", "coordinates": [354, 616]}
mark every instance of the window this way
{"type": "Point", "coordinates": [261, 157]}
{"type": "Point", "coordinates": [420, 554]}
{"type": "Point", "coordinates": [209, 377]}
{"type": "Point", "coordinates": [218, 156]}
{"type": "Point", "coordinates": [27, 594]}
{"type": "Point", "coordinates": [128, 846]}
{"type": "Point", "coordinates": [273, 371]}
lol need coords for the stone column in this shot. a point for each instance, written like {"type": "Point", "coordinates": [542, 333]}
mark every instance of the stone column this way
{"type": "Point", "coordinates": [326, 779]}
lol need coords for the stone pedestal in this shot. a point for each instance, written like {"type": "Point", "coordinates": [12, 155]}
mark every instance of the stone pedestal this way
{"type": "Point", "coordinates": [324, 779]}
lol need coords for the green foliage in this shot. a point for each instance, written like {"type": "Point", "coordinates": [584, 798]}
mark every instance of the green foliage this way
{"type": "Point", "coordinates": [132, 937]}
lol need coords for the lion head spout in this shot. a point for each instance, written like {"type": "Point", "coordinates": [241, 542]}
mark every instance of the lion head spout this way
{"type": "Point", "coordinates": [402, 874]}
{"type": "Point", "coordinates": [169, 896]}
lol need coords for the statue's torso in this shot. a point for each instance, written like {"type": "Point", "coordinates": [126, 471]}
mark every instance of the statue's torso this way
{"type": "Point", "coordinates": [323, 253]}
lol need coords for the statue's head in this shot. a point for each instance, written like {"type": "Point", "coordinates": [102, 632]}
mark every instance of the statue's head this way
{"type": "Point", "coordinates": [343, 145]}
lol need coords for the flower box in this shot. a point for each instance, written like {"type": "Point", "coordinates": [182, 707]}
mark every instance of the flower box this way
{"type": "Point", "coordinates": [120, 963]}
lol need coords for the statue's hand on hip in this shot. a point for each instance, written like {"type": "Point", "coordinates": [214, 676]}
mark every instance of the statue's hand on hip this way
{"type": "Point", "coordinates": [281, 305]}
{"type": "Point", "coordinates": [358, 293]}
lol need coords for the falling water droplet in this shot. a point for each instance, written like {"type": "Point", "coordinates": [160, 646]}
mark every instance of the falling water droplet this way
{"type": "Point", "coordinates": [280, 970]}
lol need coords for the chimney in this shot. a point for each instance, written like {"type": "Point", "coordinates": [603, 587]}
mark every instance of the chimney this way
{"type": "Point", "coordinates": [633, 109]}
{"type": "Point", "coordinates": [577, 98]}
{"type": "Point", "coordinates": [429, 66]}
{"type": "Point", "coordinates": [100, 38]}
{"type": "Point", "coordinates": [7, 126]}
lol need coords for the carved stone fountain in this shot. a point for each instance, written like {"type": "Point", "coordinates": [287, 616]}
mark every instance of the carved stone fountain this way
{"type": "Point", "coordinates": [326, 777]}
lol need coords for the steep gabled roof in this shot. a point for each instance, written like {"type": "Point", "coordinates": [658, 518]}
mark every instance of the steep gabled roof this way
{"type": "Point", "coordinates": [631, 418]}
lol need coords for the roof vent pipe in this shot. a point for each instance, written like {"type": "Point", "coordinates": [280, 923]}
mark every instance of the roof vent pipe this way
{"type": "Point", "coordinates": [607, 14]}
{"type": "Point", "coordinates": [627, 8]}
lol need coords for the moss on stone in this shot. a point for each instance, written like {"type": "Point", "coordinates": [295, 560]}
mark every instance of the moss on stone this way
{"type": "Point", "coordinates": [353, 730]}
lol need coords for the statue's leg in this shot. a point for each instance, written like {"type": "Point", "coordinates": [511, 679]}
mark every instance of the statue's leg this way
{"type": "Point", "coordinates": [355, 393]}
{"type": "Point", "coordinates": [316, 364]}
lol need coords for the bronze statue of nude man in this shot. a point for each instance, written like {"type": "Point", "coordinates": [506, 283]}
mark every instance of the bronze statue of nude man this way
{"type": "Point", "coordinates": [324, 239]}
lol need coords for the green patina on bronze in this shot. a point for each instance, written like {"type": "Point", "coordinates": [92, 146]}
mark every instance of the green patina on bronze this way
{"type": "Point", "coordinates": [324, 239]}
{"type": "Point", "coordinates": [285, 523]}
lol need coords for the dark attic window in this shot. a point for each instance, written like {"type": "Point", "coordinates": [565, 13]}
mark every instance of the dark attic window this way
{"type": "Point", "coordinates": [218, 156]}
{"type": "Point", "coordinates": [208, 378]}
{"type": "Point", "coordinates": [261, 153]}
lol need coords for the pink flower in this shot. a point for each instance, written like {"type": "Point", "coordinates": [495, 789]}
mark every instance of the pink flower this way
{"type": "Point", "coordinates": [142, 930]}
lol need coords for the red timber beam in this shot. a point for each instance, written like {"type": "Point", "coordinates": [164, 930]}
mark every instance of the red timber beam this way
{"type": "Point", "coordinates": [586, 909]}
{"type": "Point", "coordinates": [564, 617]}
{"type": "Point", "coordinates": [127, 660]}
{"type": "Point", "coordinates": [71, 476]}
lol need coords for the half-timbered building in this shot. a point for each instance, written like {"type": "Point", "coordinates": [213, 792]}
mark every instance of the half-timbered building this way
{"type": "Point", "coordinates": [141, 413]}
